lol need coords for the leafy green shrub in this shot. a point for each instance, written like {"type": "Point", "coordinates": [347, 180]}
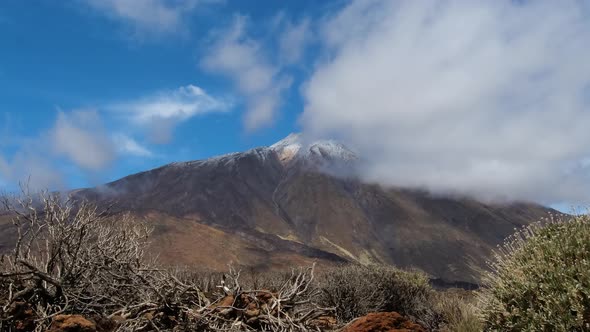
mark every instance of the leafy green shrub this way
{"type": "Point", "coordinates": [357, 290]}
{"type": "Point", "coordinates": [540, 279]}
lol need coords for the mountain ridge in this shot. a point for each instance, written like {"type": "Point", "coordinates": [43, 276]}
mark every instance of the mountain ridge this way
{"type": "Point", "coordinates": [282, 194]}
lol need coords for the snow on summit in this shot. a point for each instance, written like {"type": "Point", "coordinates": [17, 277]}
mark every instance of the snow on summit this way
{"type": "Point", "coordinates": [294, 146]}
{"type": "Point", "coordinates": [288, 150]}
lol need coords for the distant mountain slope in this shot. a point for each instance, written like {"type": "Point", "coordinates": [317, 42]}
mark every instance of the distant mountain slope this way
{"type": "Point", "coordinates": [279, 205]}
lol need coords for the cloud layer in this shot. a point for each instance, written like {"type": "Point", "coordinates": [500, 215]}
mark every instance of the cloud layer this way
{"type": "Point", "coordinates": [470, 97]}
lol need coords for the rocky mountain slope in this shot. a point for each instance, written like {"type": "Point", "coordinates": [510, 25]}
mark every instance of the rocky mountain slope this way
{"type": "Point", "coordinates": [282, 205]}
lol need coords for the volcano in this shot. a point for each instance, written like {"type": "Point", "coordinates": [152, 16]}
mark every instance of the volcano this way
{"type": "Point", "coordinates": [296, 202]}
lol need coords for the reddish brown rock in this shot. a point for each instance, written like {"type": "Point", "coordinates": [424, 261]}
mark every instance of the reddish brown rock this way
{"type": "Point", "coordinates": [254, 303]}
{"type": "Point", "coordinates": [224, 306]}
{"type": "Point", "coordinates": [71, 323]}
{"type": "Point", "coordinates": [383, 322]}
{"type": "Point", "coordinates": [227, 301]}
{"type": "Point", "coordinates": [265, 296]}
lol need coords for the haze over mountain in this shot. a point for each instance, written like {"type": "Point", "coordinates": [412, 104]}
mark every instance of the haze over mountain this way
{"type": "Point", "coordinates": [296, 202]}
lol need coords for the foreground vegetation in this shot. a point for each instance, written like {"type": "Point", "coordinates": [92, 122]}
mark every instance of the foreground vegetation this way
{"type": "Point", "coordinates": [72, 258]}
{"type": "Point", "coordinates": [540, 279]}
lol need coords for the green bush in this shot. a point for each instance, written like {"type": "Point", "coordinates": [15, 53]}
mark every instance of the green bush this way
{"type": "Point", "coordinates": [540, 279]}
{"type": "Point", "coordinates": [355, 290]}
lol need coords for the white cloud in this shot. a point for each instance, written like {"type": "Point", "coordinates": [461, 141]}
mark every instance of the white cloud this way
{"type": "Point", "coordinates": [79, 140]}
{"type": "Point", "coordinates": [293, 39]}
{"type": "Point", "coordinates": [183, 103]}
{"type": "Point", "coordinates": [129, 146]}
{"type": "Point", "coordinates": [151, 15]}
{"type": "Point", "coordinates": [244, 61]}
{"type": "Point", "coordinates": [38, 161]}
{"type": "Point", "coordinates": [30, 166]}
{"type": "Point", "coordinates": [161, 112]}
{"type": "Point", "coordinates": [80, 137]}
{"type": "Point", "coordinates": [474, 97]}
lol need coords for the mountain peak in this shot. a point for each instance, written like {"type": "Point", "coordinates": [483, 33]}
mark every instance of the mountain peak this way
{"type": "Point", "coordinates": [288, 148]}
{"type": "Point", "coordinates": [291, 139]}
{"type": "Point", "coordinates": [294, 146]}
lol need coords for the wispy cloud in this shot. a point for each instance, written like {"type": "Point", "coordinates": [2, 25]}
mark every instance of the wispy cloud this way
{"type": "Point", "coordinates": [159, 113]}
{"type": "Point", "coordinates": [129, 146]}
{"type": "Point", "coordinates": [182, 103]}
{"type": "Point", "coordinates": [160, 16]}
{"type": "Point", "coordinates": [475, 97]}
{"type": "Point", "coordinates": [243, 60]}
{"type": "Point", "coordinates": [293, 40]}
{"type": "Point", "coordinates": [81, 137]}
{"type": "Point", "coordinates": [77, 141]}
{"type": "Point", "coordinates": [90, 142]}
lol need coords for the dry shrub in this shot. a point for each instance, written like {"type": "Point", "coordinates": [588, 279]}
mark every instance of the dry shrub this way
{"type": "Point", "coordinates": [459, 311]}
{"type": "Point", "coordinates": [208, 280]}
{"type": "Point", "coordinates": [71, 257]}
{"type": "Point", "coordinates": [271, 280]}
{"type": "Point", "coordinates": [540, 279]}
{"type": "Point", "coordinates": [290, 308]}
{"type": "Point", "coordinates": [355, 291]}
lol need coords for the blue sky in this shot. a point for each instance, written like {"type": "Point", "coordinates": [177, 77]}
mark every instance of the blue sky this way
{"type": "Point", "coordinates": [489, 99]}
{"type": "Point", "coordinates": [76, 57]}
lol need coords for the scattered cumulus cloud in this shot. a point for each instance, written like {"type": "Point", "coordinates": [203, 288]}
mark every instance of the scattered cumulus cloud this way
{"type": "Point", "coordinates": [80, 136]}
{"type": "Point", "coordinates": [76, 141]}
{"type": "Point", "coordinates": [468, 97]}
{"type": "Point", "coordinates": [147, 15]}
{"type": "Point", "coordinates": [89, 142]}
{"type": "Point", "coordinates": [243, 60]}
{"type": "Point", "coordinates": [161, 112]}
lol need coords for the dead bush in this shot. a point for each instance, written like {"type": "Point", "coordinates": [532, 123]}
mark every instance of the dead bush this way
{"type": "Point", "coordinates": [355, 291]}
{"type": "Point", "coordinates": [207, 280]}
{"type": "Point", "coordinates": [290, 308]}
{"type": "Point", "coordinates": [72, 258]}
